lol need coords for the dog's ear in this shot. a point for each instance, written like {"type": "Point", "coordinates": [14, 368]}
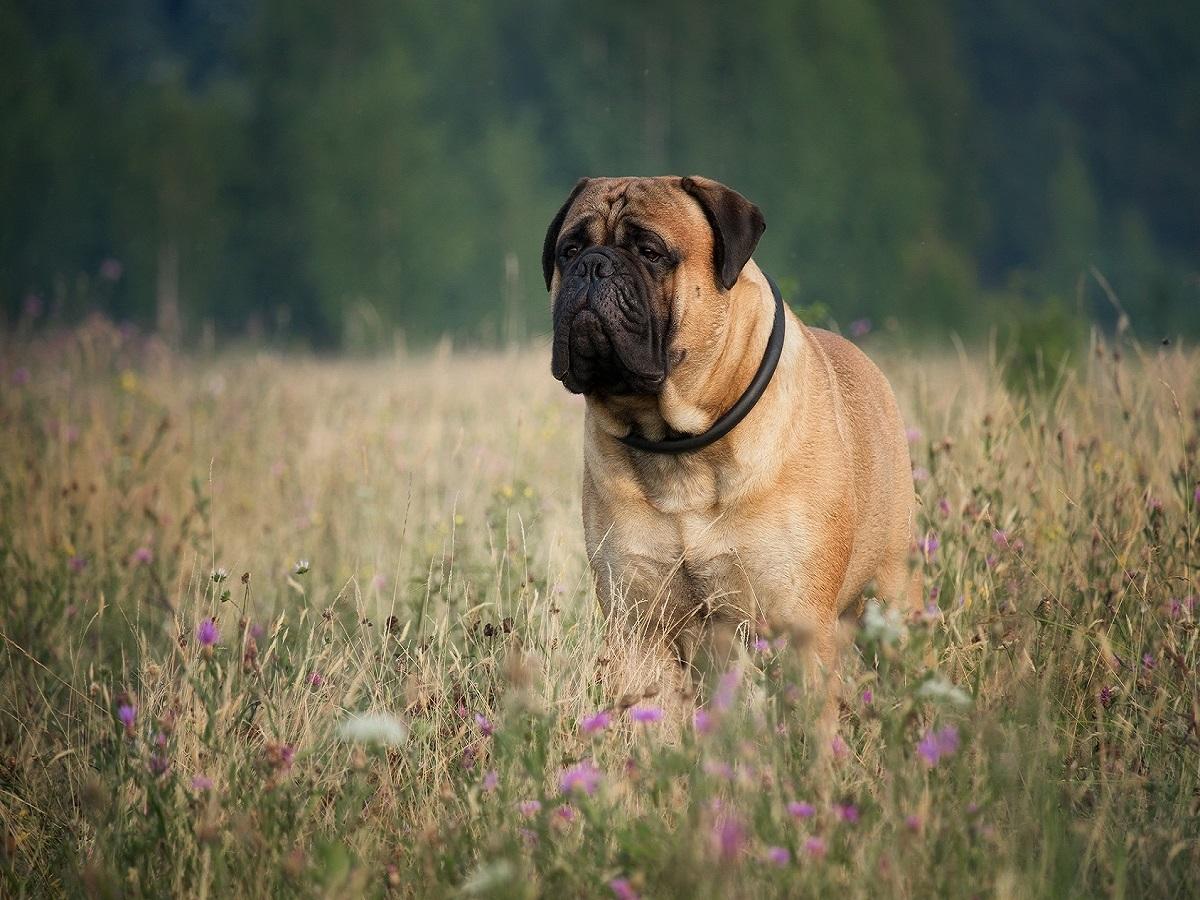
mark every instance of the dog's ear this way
{"type": "Point", "coordinates": [737, 224]}
{"type": "Point", "coordinates": [554, 229]}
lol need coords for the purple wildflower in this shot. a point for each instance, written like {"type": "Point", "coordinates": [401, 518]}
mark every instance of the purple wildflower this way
{"type": "Point", "coordinates": [912, 822]}
{"type": "Point", "coordinates": [727, 689]}
{"type": "Point", "coordinates": [485, 727]}
{"type": "Point", "coordinates": [567, 813]}
{"type": "Point", "coordinates": [77, 564]}
{"type": "Point", "coordinates": [490, 781]}
{"type": "Point", "coordinates": [728, 837]}
{"type": "Point", "coordinates": [142, 556]}
{"type": "Point", "coordinates": [838, 747]}
{"type": "Point", "coordinates": [761, 645]}
{"type": "Point", "coordinates": [936, 744]}
{"type": "Point", "coordinates": [702, 721]}
{"type": "Point", "coordinates": [1000, 538]}
{"type": "Point", "coordinates": [778, 856]}
{"type": "Point", "coordinates": [1196, 496]}
{"type": "Point", "coordinates": [622, 889]}
{"type": "Point", "coordinates": [929, 544]}
{"type": "Point", "coordinates": [846, 812]}
{"type": "Point", "coordinates": [1147, 661]}
{"type": "Point", "coordinates": [597, 721]}
{"type": "Point", "coordinates": [815, 847]}
{"type": "Point", "coordinates": [800, 810]}
{"type": "Point", "coordinates": [207, 633]}
{"type": "Point", "coordinates": [1106, 696]}
{"type": "Point", "coordinates": [202, 783]}
{"type": "Point", "coordinates": [912, 435]}
{"type": "Point", "coordinates": [159, 765]}
{"type": "Point", "coordinates": [920, 474]}
{"type": "Point", "coordinates": [647, 715]}
{"type": "Point", "coordinates": [467, 760]}
{"type": "Point", "coordinates": [583, 776]}
{"type": "Point", "coordinates": [529, 808]}
{"type": "Point", "coordinates": [315, 679]}
{"type": "Point", "coordinates": [944, 507]}
{"type": "Point", "coordinates": [860, 328]}
{"type": "Point", "coordinates": [867, 697]}
{"type": "Point", "coordinates": [127, 715]}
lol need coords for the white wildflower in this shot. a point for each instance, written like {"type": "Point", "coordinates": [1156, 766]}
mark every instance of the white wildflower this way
{"type": "Point", "coordinates": [220, 575]}
{"type": "Point", "coordinates": [373, 728]}
{"type": "Point", "coordinates": [489, 876]}
{"type": "Point", "coordinates": [885, 627]}
{"type": "Point", "coordinates": [301, 567]}
{"type": "Point", "coordinates": [939, 690]}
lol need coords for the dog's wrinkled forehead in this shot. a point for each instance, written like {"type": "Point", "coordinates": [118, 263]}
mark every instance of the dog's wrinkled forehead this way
{"type": "Point", "coordinates": [607, 207]}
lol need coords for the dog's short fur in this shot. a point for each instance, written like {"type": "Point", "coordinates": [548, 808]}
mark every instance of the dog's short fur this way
{"type": "Point", "coordinates": [661, 320]}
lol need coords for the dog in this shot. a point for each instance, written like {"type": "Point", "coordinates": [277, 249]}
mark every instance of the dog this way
{"type": "Point", "coordinates": [662, 321]}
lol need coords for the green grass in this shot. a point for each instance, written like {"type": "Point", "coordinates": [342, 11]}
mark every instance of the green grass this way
{"type": "Point", "coordinates": [436, 500]}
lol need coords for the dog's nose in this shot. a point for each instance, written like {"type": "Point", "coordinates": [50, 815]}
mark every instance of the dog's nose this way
{"type": "Point", "coordinates": [594, 265]}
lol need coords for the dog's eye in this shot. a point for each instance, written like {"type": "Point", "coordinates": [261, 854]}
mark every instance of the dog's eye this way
{"type": "Point", "coordinates": [649, 254]}
{"type": "Point", "coordinates": [570, 251]}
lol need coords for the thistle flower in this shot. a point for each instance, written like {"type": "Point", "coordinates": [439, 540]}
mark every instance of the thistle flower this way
{"type": "Point", "coordinates": [702, 721]}
{"type": "Point", "coordinates": [912, 435]}
{"type": "Point", "coordinates": [529, 808]}
{"type": "Point", "coordinates": [566, 813]}
{"type": "Point", "coordinates": [912, 822]}
{"type": "Point", "coordinates": [761, 645]}
{"type": "Point", "coordinates": [728, 837]}
{"type": "Point", "coordinates": [301, 567]}
{"type": "Point", "coordinates": [646, 714]}
{"type": "Point", "coordinates": [490, 781]}
{"type": "Point", "coordinates": [800, 810]}
{"type": "Point", "coordinates": [846, 812]}
{"type": "Point", "coordinates": [838, 747]}
{"type": "Point", "coordinates": [485, 727]}
{"type": "Point", "coordinates": [207, 633]}
{"type": "Point", "coordinates": [920, 474]}
{"type": "Point", "coordinates": [937, 744]}
{"type": "Point", "coordinates": [202, 783]}
{"type": "Point", "coordinates": [1106, 696]}
{"type": "Point", "coordinates": [127, 715]}
{"type": "Point", "coordinates": [159, 765]}
{"type": "Point", "coordinates": [860, 328]}
{"type": "Point", "coordinates": [142, 556]}
{"type": "Point", "coordinates": [943, 506]}
{"type": "Point", "coordinates": [1000, 538]}
{"type": "Point", "coordinates": [928, 545]}
{"type": "Point", "coordinates": [815, 847]}
{"type": "Point", "coordinates": [727, 689]}
{"type": "Point", "coordinates": [1147, 661]}
{"type": "Point", "coordinates": [622, 889]}
{"type": "Point", "coordinates": [583, 776]}
{"type": "Point", "coordinates": [778, 856]}
{"type": "Point", "coordinates": [597, 721]}
{"type": "Point", "coordinates": [315, 679]}
{"type": "Point", "coordinates": [867, 697]}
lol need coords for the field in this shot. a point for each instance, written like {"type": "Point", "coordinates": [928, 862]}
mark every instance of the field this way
{"type": "Point", "coordinates": [276, 625]}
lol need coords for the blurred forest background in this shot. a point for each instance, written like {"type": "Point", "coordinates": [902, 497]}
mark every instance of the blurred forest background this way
{"type": "Point", "coordinates": [332, 172]}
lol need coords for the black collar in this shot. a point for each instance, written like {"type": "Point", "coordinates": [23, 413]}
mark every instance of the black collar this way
{"type": "Point", "coordinates": [739, 410]}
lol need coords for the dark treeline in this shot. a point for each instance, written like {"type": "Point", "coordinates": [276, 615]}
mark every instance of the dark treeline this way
{"type": "Point", "coordinates": [336, 170]}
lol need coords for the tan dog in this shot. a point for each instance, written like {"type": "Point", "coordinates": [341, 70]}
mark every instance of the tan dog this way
{"type": "Point", "coordinates": [661, 320]}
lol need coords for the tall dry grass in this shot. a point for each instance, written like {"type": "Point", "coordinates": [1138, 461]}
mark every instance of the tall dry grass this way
{"type": "Point", "coordinates": [1034, 733]}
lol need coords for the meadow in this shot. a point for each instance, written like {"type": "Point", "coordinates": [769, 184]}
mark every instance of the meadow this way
{"type": "Point", "coordinates": [281, 625]}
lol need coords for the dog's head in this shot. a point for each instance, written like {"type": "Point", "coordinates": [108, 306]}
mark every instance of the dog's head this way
{"type": "Point", "coordinates": [640, 269]}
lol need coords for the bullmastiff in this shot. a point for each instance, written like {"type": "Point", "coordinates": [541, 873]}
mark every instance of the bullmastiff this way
{"type": "Point", "coordinates": [739, 467]}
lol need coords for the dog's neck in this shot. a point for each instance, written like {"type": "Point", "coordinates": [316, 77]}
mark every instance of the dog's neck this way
{"type": "Point", "coordinates": [702, 386]}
